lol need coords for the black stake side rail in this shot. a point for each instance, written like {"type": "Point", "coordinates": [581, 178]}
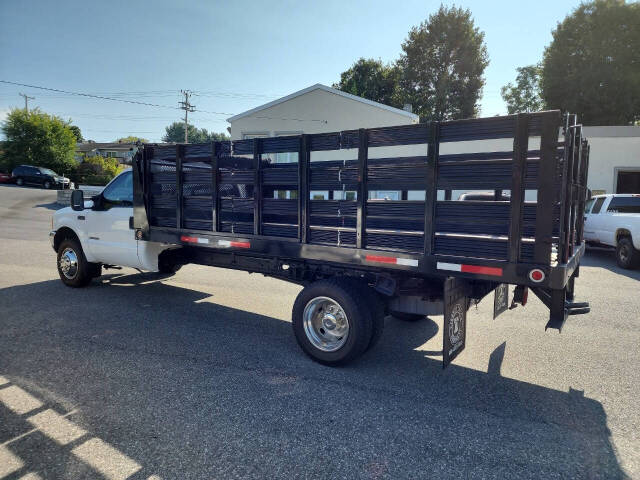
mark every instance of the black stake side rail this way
{"type": "Point", "coordinates": [561, 181]}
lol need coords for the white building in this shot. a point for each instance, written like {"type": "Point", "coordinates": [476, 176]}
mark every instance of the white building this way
{"type": "Point", "coordinates": [316, 109]}
{"type": "Point", "coordinates": [614, 159]}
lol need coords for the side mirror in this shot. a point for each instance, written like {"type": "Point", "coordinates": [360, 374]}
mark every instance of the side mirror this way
{"type": "Point", "coordinates": [97, 201]}
{"type": "Point", "coordinates": [77, 200]}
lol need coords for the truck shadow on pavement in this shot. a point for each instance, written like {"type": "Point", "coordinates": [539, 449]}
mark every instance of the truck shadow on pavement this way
{"type": "Point", "coordinates": [606, 258]}
{"type": "Point", "coordinates": [186, 388]}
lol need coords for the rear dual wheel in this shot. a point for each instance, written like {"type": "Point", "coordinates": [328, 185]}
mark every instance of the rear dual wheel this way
{"type": "Point", "coordinates": [337, 320]}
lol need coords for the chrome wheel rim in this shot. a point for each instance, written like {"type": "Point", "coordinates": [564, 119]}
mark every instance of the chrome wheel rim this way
{"type": "Point", "coordinates": [68, 263]}
{"type": "Point", "coordinates": [325, 324]}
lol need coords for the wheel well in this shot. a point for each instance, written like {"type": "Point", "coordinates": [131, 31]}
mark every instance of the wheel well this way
{"type": "Point", "coordinates": [61, 234]}
{"type": "Point", "coordinates": [622, 233]}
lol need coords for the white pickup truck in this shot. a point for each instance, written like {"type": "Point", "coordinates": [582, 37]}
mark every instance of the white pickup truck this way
{"type": "Point", "coordinates": [103, 235]}
{"type": "Point", "coordinates": [614, 220]}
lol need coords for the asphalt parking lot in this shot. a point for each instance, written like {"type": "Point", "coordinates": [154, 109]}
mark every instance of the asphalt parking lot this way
{"type": "Point", "coordinates": [198, 376]}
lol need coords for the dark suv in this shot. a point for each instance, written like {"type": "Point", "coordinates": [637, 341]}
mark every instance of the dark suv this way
{"type": "Point", "coordinates": [26, 174]}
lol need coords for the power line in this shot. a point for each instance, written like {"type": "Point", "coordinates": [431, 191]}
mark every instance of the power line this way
{"type": "Point", "coordinates": [89, 95]}
{"type": "Point", "coordinates": [101, 97]}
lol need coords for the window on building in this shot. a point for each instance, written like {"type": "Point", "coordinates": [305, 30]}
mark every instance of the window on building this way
{"type": "Point", "coordinates": [345, 195]}
{"type": "Point", "coordinates": [319, 194]}
{"type": "Point", "coordinates": [286, 157]}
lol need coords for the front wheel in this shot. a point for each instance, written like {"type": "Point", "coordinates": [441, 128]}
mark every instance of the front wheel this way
{"type": "Point", "coordinates": [19, 181]}
{"type": "Point", "coordinates": [626, 255]}
{"type": "Point", "coordinates": [332, 322]}
{"type": "Point", "coordinates": [73, 268]}
{"type": "Point", "coordinates": [47, 184]}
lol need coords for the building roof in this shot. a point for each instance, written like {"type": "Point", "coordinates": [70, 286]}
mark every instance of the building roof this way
{"type": "Point", "coordinates": [319, 86]}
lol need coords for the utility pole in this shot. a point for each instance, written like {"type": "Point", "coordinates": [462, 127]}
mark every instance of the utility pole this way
{"type": "Point", "coordinates": [26, 101]}
{"type": "Point", "coordinates": [187, 107]}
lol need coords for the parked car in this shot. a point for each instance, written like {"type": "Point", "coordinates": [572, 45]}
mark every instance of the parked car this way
{"type": "Point", "coordinates": [45, 177]}
{"type": "Point", "coordinates": [5, 177]}
{"type": "Point", "coordinates": [614, 221]}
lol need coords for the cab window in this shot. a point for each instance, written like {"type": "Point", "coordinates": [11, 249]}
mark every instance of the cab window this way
{"type": "Point", "coordinates": [119, 193]}
{"type": "Point", "coordinates": [598, 205]}
{"type": "Point", "coordinates": [588, 205]}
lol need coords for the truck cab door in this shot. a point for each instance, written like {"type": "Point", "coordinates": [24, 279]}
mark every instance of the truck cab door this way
{"type": "Point", "coordinates": [593, 220]}
{"type": "Point", "coordinates": [111, 238]}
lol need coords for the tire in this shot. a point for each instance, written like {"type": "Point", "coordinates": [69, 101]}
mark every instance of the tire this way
{"type": "Point", "coordinates": [377, 310]}
{"type": "Point", "coordinates": [19, 182]}
{"type": "Point", "coordinates": [626, 255]}
{"type": "Point", "coordinates": [407, 317]}
{"type": "Point", "coordinates": [345, 309]}
{"type": "Point", "coordinates": [73, 268]}
{"type": "Point", "coordinates": [166, 266]}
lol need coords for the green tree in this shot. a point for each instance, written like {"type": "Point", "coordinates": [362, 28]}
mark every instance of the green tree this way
{"type": "Point", "coordinates": [524, 96]}
{"type": "Point", "coordinates": [76, 133]}
{"type": "Point", "coordinates": [133, 139]}
{"type": "Point", "coordinates": [96, 170]}
{"type": "Point", "coordinates": [175, 133]}
{"type": "Point", "coordinates": [592, 66]}
{"type": "Point", "coordinates": [443, 62]}
{"type": "Point", "coordinates": [36, 138]}
{"type": "Point", "coordinates": [372, 79]}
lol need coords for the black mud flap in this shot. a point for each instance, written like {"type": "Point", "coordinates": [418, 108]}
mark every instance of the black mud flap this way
{"type": "Point", "coordinates": [500, 299]}
{"type": "Point", "coordinates": [456, 303]}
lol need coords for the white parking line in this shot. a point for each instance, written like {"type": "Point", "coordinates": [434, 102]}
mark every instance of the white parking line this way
{"type": "Point", "coordinates": [3, 380]}
{"type": "Point", "coordinates": [56, 427]}
{"type": "Point", "coordinates": [9, 462]}
{"type": "Point", "coordinates": [18, 401]}
{"type": "Point", "coordinates": [109, 461]}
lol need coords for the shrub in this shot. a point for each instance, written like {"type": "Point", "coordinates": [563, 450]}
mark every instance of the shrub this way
{"type": "Point", "coordinates": [96, 171]}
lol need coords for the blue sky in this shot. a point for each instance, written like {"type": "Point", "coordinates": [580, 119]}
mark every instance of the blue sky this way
{"type": "Point", "coordinates": [237, 54]}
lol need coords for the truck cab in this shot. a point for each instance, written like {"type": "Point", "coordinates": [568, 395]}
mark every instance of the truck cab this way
{"type": "Point", "coordinates": [99, 232]}
{"type": "Point", "coordinates": [614, 221]}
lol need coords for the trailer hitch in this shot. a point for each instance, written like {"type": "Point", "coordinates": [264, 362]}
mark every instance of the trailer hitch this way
{"type": "Point", "coordinates": [577, 308]}
{"type": "Point", "coordinates": [561, 305]}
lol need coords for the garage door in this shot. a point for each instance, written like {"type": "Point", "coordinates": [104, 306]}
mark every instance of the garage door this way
{"type": "Point", "coordinates": [628, 182]}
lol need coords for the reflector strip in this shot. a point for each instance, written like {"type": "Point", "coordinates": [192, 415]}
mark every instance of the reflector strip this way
{"type": "Point", "coordinates": [410, 262]}
{"type": "Point", "coordinates": [230, 243]}
{"type": "Point", "coordinates": [187, 239]}
{"type": "Point", "coordinates": [457, 267]}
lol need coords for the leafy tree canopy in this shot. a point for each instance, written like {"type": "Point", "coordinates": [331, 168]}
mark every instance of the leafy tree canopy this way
{"type": "Point", "coordinates": [592, 66]}
{"type": "Point", "coordinates": [175, 133]}
{"type": "Point", "coordinates": [524, 96]}
{"type": "Point", "coordinates": [133, 139]}
{"type": "Point", "coordinates": [76, 133]}
{"type": "Point", "coordinates": [36, 138]}
{"type": "Point", "coordinates": [372, 79]}
{"type": "Point", "coordinates": [442, 64]}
